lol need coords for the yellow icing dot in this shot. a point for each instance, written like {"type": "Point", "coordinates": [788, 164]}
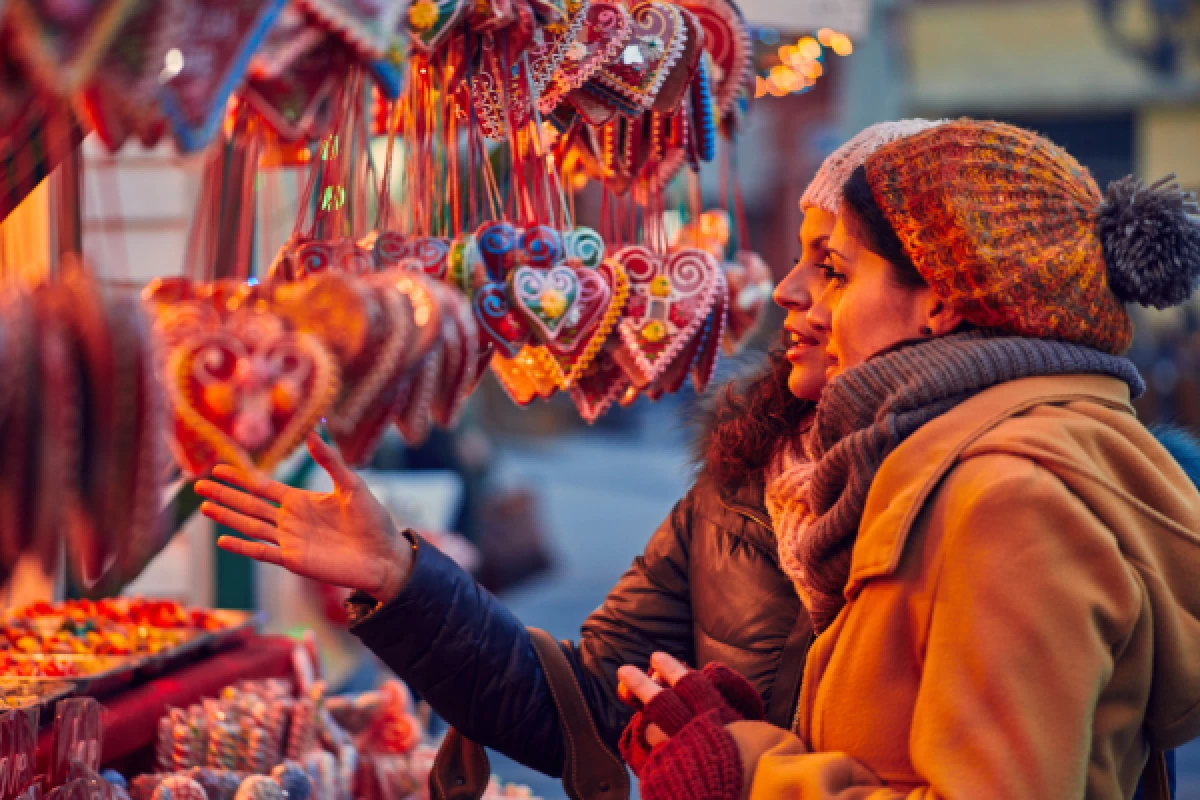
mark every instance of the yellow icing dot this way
{"type": "Point", "coordinates": [553, 304]}
{"type": "Point", "coordinates": [219, 397]}
{"type": "Point", "coordinates": [661, 286]}
{"type": "Point", "coordinates": [654, 331]}
{"type": "Point", "coordinates": [423, 15]}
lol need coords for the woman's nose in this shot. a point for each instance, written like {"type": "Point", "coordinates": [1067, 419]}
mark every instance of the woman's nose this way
{"type": "Point", "coordinates": [791, 294]}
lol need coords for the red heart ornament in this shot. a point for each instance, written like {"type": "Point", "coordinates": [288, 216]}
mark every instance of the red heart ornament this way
{"type": "Point", "coordinates": [498, 322]}
{"type": "Point", "coordinates": [604, 29]}
{"type": "Point", "coordinates": [749, 291]}
{"type": "Point", "coordinates": [601, 385]}
{"type": "Point", "coordinates": [727, 40]}
{"type": "Point", "coordinates": [575, 362]}
{"type": "Point", "coordinates": [500, 92]}
{"type": "Point", "coordinates": [244, 399]}
{"type": "Point", "coordinates": [669, 299]}
{"type": "Point", "coordinates": [366, 26]}
{"type": "Point", "coordinates": [549, 52]}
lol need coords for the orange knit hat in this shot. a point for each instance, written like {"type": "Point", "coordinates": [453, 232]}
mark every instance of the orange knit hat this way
{"type": "Point", "coordinates": [1012, 231]}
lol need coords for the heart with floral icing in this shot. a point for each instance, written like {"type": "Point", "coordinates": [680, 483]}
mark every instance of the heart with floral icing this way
{"type": "Point", "coordinates": [669, 299]}
{"type": "Point", "coordinates": [748, 279]}
{"type": "Point", "coordinates": [727, 40]}
{"type": "Point", "coordinates": [603, 32]}
{"type": "Point", "coordinates": [499, 323]}
{"type": "Point", "coordinates": [430, 22]}
{"type": "Point", "coordinates": [246, 402]}
{"type": "Point", "coordinates": [549, 52]}
{"type": "Point", "coordinates": [657, 41]}
{"type": "Point", "coordinates": [574, 362]}
{"type": "Point", "coordinates": [546, 298]}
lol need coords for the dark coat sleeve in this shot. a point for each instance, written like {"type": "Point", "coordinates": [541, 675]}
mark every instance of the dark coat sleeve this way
{"type": "Point", "coordinates": [458, 647]}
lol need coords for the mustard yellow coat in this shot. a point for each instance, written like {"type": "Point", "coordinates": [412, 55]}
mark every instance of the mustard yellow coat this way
{"type": "Point", "coordinates": [1022, 618]}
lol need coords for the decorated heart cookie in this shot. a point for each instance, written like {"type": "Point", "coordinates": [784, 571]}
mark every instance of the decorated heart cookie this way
{"type": "Point", "coordinates": [600, 385]}
{"type": "Point", "coordinates": [604, 30]}
{"type": "Point", "coordinates": [290, 101]}
{"type": "Point", "coordinates": [657, 41]}
{"type": "Point", "coordinates": [579, 359]}
{"type": "Point", "coordinates": [499, 323]}
{"type": "Point", "coordinates": [541, 246]}
{"type": "Point", "coordinates": [500, 91]}
{"type": "Point", "coordinates": [584, 245]}
{"type": "Point", "coordinates": [497, 244]}
{"type": "Point", "coordinates": [460, 345]}
{"type": "Point", "coordinates": [64, 42]}
{"type": "Point", "coordinates": [430, 22]}
{"type": "Point", "coordinates": [727, 40]}
{"type": "Point", "coordinates": [749, 288]}
{"type": "Point", "coordinates": [247, 402]}
{"type": "Point", "coordinates": [550, 51]}
{"type": "Point", "coordinates": [669, 299]}
{"type": "Point", "coordinates": [366, 26]}
{"type": "Point", "coordinates": [219, 38]}
{"type": "Point", "coordinates": [562, 305]}
{"type": "Point", "coordinates": [679, 76]}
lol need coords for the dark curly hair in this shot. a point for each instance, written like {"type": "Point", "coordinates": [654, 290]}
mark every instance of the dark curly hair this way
{"type": "Point", "coordinates": [748, 421]}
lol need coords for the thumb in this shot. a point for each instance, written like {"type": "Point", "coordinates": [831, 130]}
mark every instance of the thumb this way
{"type": "Point", "coordinates": [331, 462]}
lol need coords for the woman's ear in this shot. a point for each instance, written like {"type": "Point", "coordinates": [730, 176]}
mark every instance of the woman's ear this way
{"type": "Point", "coordinates": [941, 318]}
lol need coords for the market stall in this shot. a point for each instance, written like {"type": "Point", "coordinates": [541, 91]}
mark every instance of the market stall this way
{"type": "Point", "coordinates": [442, 147]}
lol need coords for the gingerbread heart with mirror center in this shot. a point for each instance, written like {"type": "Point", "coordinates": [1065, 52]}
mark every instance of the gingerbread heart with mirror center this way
{"type": "Point", "coordinates": [247, 395]}
{"type": "Point", "coordinates": [669, 299]}
{"type": "Point", "coordinates": [657, 41]}
{"type": "Point", "coordinates": [603, 32]}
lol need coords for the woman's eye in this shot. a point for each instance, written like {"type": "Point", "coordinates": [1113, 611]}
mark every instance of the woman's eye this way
{"type": "Point", "coordinates": [832, 274]}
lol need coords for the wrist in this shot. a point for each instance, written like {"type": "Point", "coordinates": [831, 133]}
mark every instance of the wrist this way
{"type": "Point", "coordinates": [396, 567]}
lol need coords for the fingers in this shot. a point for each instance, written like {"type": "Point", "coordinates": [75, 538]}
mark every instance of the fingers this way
{"type": "Point", "coordinates": [667, 668]}
{"type": "Point", "coordinates": [638, 683]}
{"type": "Point", "coordinates": [654, 735]}
{"type": "Point", "coordinates": [239, 501]}
{"type": "Point", "coordinates": [254, 482]}
{"type": "Point", "coordinates": [331, 462]}
{"type": "Point", "coordinates": [268, 554]}
{"type": "Point", "coordinates": [254, 528]}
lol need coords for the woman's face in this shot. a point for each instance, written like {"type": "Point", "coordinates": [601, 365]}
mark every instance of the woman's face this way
{"type": "Point", "coordinates": [864, 307]}
{"type": "Point", "coordinates": [795, 294]}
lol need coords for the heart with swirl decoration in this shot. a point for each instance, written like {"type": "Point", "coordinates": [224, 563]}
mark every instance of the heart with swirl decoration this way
{"type": "Point", "coordinates": [670, 297]}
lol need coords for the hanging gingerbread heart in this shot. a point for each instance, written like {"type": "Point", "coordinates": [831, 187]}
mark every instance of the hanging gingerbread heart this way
{"type": "Point", "coordinates": [714, 333]}
{"type": "Point", "coordinates": [675, 375]}
{"type": "Point", "coordinates": [600, 385]}
{"type": "Point", "coordinates": [389, 247]}
{"type": "Point", "coordinates": [413, 410]}
{"type": "Point", "coordinates": [364, 411]}
{"type": "Point", "coordinates": [64, 42]}
{"type": "Point", "coordinates": [247, 401]}
{"type": "Point", "coordinates": [429, 255]}
{"type": "Point", "coordinates": [290, 101]}
{"type": "Point", "coordinates": [460, 350]}
{"type": "Point", "coordinates": [352, 259]}
{"type": "Point", "coordinates": [574, 362]}
{"type": "Point", "coordinates": [549, 52]}
{"type": "Point", "coordinates": [604, 29]}
{"type": "Point", "coordinates": [679, 76]}
{"type": "Point", "coordinates": [500, 93]}
{"type": "Point", "coordinates": [727, 40]}
{"type": "Point", "coordinates": [219, 38]}
{"type": "Point", "coordinates": [430, 22]}
{"type": "Point", "coordinates": [595, 106]}
{"type": "Point", "coordinates": [562, 305]}
{"type": "Point", "coordinates": [584, 245]}
{"type": "Point", "coordinates": [487, 16]}
{"type": "Point", "coordinates": [541, 246]}
{"type": "Point", "coordinates": [365, 26]}
{"type": "Point", "coordinates": [498, 322]}
{"type": "Point", "coordinates": [658, 40]}
{"type": "Point", "coordinates": [669, 299]}
{"type": "Point", "coordinates": [120, 98]}
{"type": "Point", "coordinates": [750, 286]}
{"type": "Point", "coordinates": [498, 243]}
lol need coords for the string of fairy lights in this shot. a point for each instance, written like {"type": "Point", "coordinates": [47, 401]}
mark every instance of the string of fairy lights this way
{"type": "Point", "coordinates": [795, 68]}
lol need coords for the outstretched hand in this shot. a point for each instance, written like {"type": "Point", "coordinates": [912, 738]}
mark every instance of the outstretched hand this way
{"type": "Point", "coordinates": [344, 537]}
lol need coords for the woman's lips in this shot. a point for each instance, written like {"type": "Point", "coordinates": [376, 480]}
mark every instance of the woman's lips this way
{"type": "Point", "coordinates": [800, 345]}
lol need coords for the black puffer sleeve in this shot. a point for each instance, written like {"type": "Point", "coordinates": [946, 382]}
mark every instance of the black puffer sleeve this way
{"type": "Point", "coordinates": [457, 646]}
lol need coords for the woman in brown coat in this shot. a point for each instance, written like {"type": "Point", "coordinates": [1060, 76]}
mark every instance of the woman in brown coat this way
{"type": "Point", "coordinates": [999, 558]}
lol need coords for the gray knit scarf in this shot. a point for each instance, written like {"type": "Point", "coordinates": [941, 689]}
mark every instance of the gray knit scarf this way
{"type": "Point", "coordinates": [869, 410]}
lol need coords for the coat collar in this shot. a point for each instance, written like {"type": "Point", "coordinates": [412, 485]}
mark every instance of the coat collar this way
{"type": "Point", "coordinates": [908, 476]}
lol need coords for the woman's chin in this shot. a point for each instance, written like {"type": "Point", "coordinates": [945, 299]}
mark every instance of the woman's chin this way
{"type": "Point", "coordinates": [806, 382]}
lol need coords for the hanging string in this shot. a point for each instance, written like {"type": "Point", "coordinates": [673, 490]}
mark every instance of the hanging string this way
{"type": "Point", "coordinates": [739, 206]}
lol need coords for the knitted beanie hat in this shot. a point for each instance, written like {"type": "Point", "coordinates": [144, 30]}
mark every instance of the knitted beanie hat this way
{"type": "Point", "coordinates": [825, 191]}
{"type": "Point", "coordinates": [1012, 231]}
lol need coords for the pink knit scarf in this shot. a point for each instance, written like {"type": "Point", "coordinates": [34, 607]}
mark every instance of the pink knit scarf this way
{"type": "Point", "coordinates": [787, 500]}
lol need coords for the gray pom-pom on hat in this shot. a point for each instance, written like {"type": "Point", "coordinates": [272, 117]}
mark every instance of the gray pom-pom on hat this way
{"type": "Point", "coordinates": [1151, 241]}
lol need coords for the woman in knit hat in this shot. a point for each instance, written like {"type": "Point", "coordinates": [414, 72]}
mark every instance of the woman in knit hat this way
{"type": "Point", "coordinates": [708, 586]}
{"type": "Point", "coordinates": [1000, 560]}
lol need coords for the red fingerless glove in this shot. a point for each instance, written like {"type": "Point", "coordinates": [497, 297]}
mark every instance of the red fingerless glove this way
{"type": "Point", "coordinates": [716, 689]}
{"type": "Point", "coordinates": [701, 762]}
